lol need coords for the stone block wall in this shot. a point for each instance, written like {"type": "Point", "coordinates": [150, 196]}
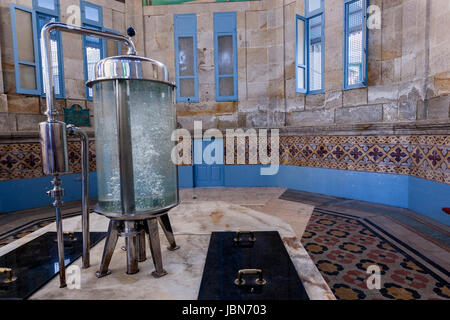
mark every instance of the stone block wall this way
{"type": "Point", "coordinates": [409, 69]}
{"type": "Point", "coordinates": [408, 74]}
{"type": "Point", "coordinates": [20, 112]}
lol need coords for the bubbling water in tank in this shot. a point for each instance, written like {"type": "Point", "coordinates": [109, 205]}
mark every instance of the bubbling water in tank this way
{"type": "Point", "coordinates": [152, 119]}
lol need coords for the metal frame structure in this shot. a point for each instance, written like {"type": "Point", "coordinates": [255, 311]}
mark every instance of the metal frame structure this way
{"type": "Point", "coordinates": [53, 138]}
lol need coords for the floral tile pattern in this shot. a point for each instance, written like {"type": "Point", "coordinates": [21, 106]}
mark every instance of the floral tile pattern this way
{"type": "Point", "coordinates": [343, 248]}
{"type": "Point", "coordinates": [426, 157]}
{"type": "Point", "coordinates": [23, 160]}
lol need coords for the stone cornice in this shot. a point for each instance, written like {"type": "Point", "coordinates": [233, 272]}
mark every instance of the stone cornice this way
{"type": "Point", "coordinates": [441, 127]}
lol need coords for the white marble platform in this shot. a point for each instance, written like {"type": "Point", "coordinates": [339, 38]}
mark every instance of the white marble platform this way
{"type": "Point", "coordinates": [193, 223]}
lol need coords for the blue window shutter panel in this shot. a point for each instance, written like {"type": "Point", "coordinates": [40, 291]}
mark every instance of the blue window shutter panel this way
{"type": "Point", "coordinates": [17, 61]}
{"type": "Point", "coordinates": [355, 58]}
{"type": "Point", "coordinates": [314, 39]}
{"type": "Point", "coordinates": [185, 26]}
{"type": "Point", "coordinates": [42, 9]}
{"type": "Point", "coordinates": [301, 68]}
{"type": "Point", "coordinates": [87, 18]}
{"type": "Point", "coordinates": [225, 22]}
{"type": "Point", "coordinates": [225, 26]}
{"type": "Point", "coordinates": [45, 15]}
{"type": "Point", "coordinates": [94, 22]}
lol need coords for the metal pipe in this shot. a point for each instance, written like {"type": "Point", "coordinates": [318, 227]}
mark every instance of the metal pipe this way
{"type": "Point", "coordinates": [73, 130]}
{"type": "Point", "coordinates": [124, 148]}
{"type": "Point", "coordinates": [131, 244]}
{"type": "Point", "coordinates": [57, 193]}
{"type": "Point", "coordinates": [46, 54]}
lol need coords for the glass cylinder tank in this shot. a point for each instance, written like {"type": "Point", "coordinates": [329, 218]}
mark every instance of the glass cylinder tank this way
{"type": "Point", "coordinates": [134, 120]}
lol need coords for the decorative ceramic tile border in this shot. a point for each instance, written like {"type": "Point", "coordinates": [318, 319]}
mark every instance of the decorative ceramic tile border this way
{"type": "Point", "coordinates": [426, 157]}
{"type": "Point", "coordinates": [23, 160]}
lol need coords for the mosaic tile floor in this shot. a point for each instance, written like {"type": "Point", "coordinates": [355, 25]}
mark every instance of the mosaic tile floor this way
{"type": "Point", "coordinates": [343, 247]}
{"type": "Point", "coordinates": [344, 237]}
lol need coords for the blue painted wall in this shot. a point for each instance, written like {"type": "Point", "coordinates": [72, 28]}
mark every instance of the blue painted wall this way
{"type": "Point", "coordinates": [186, 177]}
{"type": "Point", "coordinates": [366, 186]}
{"type": "Point", "coordinates": [31, 193]}
{"type": "Point", "coordinates": [417, 194]}
{"type": "Point", "coordinates": [428, 198]}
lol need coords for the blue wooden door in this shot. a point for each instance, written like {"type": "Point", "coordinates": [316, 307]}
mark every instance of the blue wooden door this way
{"type": "Point", "coordinates": [208, 175]}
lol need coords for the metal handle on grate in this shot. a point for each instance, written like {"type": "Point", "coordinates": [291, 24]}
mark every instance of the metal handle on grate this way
{"type": "Point", "coordinates": [257, 272]}
{"type": "Point", "coordinates": [9, 273]}
{"type": "Point", "coordinates": [251, 237]}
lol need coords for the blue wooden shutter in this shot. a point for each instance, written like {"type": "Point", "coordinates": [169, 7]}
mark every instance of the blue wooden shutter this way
{"type": "Point", "coordinates": [316, 58]}
{"type": "Point", "coordinates": [186, 63]}
{"type": "Point", "coordinates": [355, 44]}
{"type": "Point", "coordinates": [226, 74]}
{"type": "Point", "coordinates": [50, 7]}
{"type": "Point", "coordinates": [301, 54]}
{"type": "Point", "coordinates": [47, 11]}
{"type": "Point", "coordinates": [91, 17]}
{"type": "Point", "coordinates": [32, 63]}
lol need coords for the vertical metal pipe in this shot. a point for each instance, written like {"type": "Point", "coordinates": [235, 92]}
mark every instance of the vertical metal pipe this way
{"type": "Point", "coordinates": [84, 191]}
{"type": "Point", "coordinates": [57, 192]}
{"type": "Point", "coordinates": [131, 243]}
{"type": "Point", "coordinates": [124, 148]}
{"type": "Point", "coordinates": [60, 238]}
{"type": "Point", "coordinates": [142, 255]}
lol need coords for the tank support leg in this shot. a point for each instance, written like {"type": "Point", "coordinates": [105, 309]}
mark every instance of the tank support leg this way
{"type": "Point", "coordinates": [155, 248]}
{"type": "Point", "coordinates": [164, 221]}
{"type": "Point", "coordinates": [142, 255]}
{"type": "Point", "coordinates": [110, 245]}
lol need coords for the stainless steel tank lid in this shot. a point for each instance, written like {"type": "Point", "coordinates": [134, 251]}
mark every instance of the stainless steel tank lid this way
{"type": "Point", "coordinates": [130, 68]}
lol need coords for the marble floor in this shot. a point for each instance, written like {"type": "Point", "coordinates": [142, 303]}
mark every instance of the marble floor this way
{"type": "Point", "coordinates": [201, 212]}
{"type": "Point", "coordinates": [204, 210]}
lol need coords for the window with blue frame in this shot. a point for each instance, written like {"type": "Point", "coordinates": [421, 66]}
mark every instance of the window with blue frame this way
{"type": "Point", "coordinates": [26, 55]}
{"type": "Point", "coordinates": [26, 27]}
{"type": "Point", "coordinates": [355, 46]}
{"type": "Point", "coordinates": [185, 31]}
{"type": "Point", "coordinates": [225, 56]}
{"type": "Point", "coordinates": [112, 48]}
{"type": "Point", "coordinates": [47, 11]}
{"type": "Point", "coordinates": [93, 48]}
{"type": "Point", "coordinates": [310, 52]}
